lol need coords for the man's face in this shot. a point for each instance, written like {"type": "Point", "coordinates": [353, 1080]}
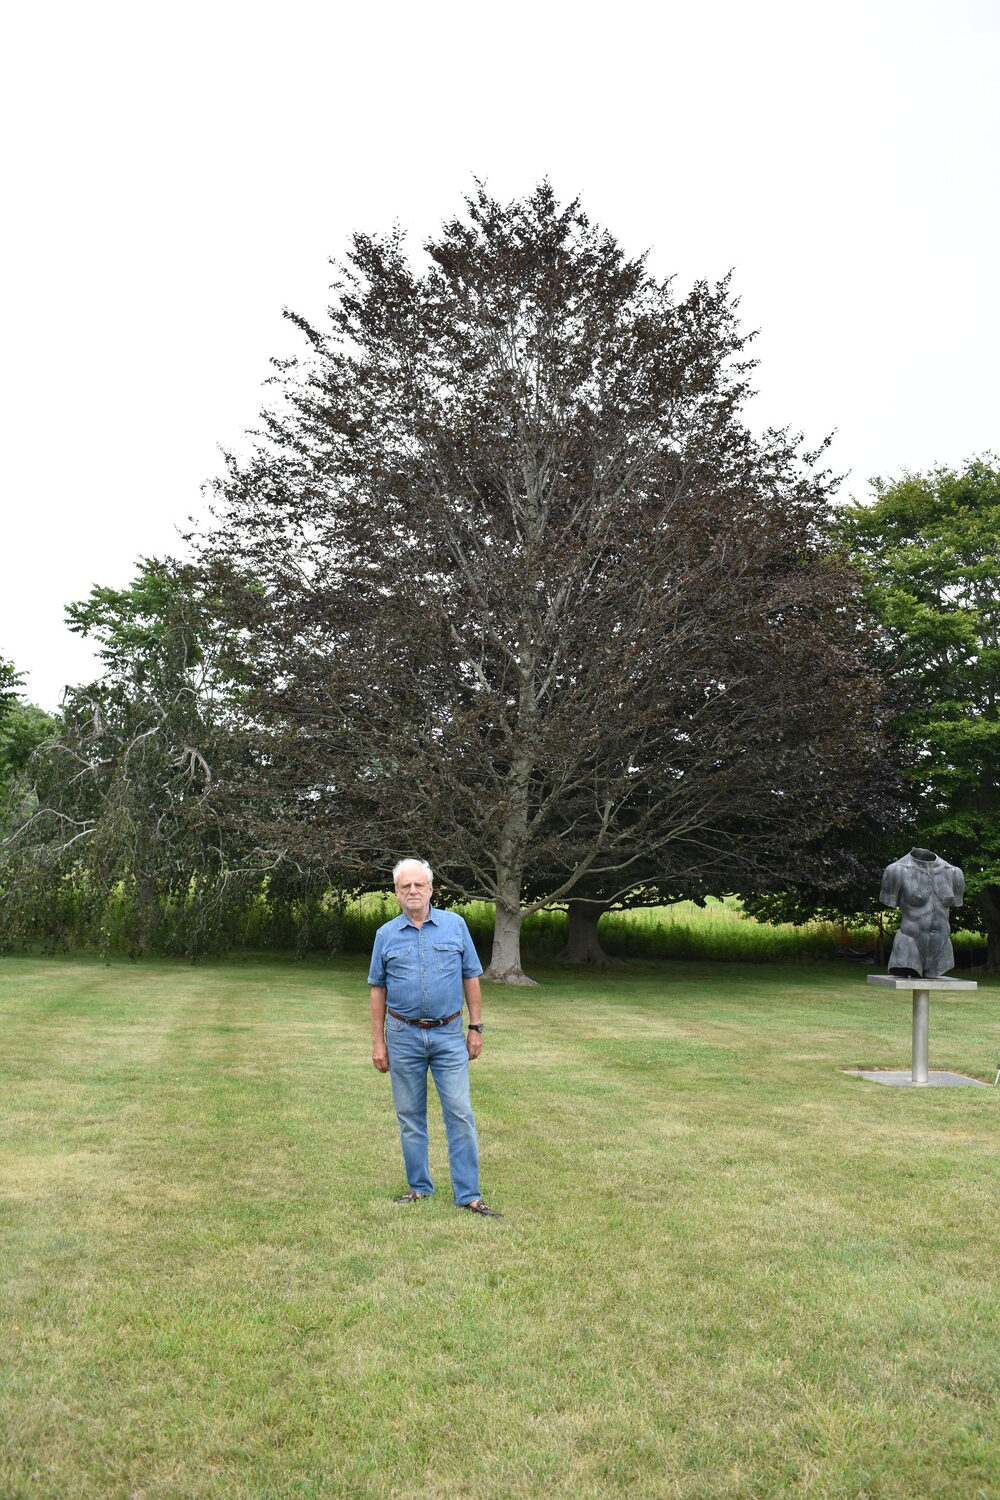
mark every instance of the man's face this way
{"type": "Point", "coordinates": [413, 890]}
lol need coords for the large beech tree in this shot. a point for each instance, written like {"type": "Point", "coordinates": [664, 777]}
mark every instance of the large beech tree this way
{"type": "Point", "coordinates": [512, 585]}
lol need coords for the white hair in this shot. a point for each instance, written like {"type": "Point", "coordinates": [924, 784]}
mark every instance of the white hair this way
{"type": "Point", "coordinates": [412, 860]}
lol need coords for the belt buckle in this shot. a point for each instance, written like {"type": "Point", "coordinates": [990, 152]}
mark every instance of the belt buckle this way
{"type": "Point", "coordinates": [425, 1025]}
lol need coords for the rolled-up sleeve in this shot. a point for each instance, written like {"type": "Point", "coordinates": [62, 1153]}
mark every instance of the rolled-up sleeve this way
{"type": "Point", "coordinates": [471, 967]}
{"type": "Point", "coordinates": [376, 969]}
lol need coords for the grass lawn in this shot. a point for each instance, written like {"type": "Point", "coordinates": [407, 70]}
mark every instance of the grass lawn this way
{"type": "Point", "coordinates": [725, 1269]}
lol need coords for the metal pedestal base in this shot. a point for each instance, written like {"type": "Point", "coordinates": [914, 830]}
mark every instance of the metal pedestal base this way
{"type": "Point", "coordinates": [921, 1029]}
{"type": "Point", "coordinates": [919, 1076]}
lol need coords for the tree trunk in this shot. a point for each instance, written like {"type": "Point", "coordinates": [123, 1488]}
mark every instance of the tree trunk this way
{"type": "Point", "coordinates": [505, 960]}
{"type": "Point", "coordinates": [989, 905]}
{"type": "Point", "coordinates": [583, 946]}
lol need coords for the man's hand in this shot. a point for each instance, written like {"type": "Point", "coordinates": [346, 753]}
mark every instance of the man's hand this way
{"type": "Point", "coordinates": [474, 1042]}
{"type": "Point", "coordinates": [380, 1056]}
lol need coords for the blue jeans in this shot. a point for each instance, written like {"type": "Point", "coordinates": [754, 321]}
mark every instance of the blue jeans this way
{"type": "Point", "coordinates": [442, 1049]}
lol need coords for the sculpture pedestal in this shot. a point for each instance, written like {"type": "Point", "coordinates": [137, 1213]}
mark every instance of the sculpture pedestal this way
{"type": "Point", "coordinates": [921, 989]}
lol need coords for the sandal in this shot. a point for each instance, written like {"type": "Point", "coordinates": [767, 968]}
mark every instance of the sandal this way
{"type": "Point", "coordinates": [411, 1197]}
{"type": "Point", "coordinates": [477, 1206]}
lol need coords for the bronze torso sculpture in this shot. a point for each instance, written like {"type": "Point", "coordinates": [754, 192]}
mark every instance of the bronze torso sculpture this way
{"type": "Point", "coordinates": [923, 886]}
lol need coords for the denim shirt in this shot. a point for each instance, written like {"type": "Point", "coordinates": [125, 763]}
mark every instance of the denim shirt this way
{"type": "Point", "coordinates": [422, 968]}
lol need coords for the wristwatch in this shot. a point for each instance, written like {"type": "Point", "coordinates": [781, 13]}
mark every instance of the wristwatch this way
{"type": "Point", "coordinates": [476, 1026]}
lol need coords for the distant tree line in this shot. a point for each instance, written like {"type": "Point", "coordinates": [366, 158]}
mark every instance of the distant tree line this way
{"type": "Point", "coordinates": [508, 581]}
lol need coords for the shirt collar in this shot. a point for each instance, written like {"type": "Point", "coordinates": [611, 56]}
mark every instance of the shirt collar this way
{"type": "Point", "coordinates": [404, 920]}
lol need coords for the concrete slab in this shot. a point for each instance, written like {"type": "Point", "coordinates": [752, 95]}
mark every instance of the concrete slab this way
{"type": "Point", "coordinates": [905, 1080]}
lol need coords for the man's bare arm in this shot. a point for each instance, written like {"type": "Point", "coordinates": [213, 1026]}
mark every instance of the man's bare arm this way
{"type": "Point", "coordinates": [474, 1000]}
{"type": "Point", "coordinates": [380, 1053]}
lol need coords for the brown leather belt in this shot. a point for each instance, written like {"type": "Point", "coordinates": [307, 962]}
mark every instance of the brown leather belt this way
{"type": "Point", "coordinates": [424, 1025]}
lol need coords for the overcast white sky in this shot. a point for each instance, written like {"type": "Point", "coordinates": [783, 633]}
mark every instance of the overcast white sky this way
{"type": "Point", "coordinates": [177, 175]}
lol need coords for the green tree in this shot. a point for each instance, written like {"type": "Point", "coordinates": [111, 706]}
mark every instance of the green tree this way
{"type": "Point", "coordinates": [929, 549]}
{"type": "Point", "coordinates": [513, 586]}
{"type": "Point", "coordinates": [10, 686]}
{"type": "Point", "coordinates": [155, 817]}
{"type": "Point", "coordinates": [23, 727]}
{"type": "Point", "coordinates": [123, 808]}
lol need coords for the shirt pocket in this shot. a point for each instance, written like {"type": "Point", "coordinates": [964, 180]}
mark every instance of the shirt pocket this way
{"type": "Point", "coordinates": [448, 959]}
{"type": "Point", "coordinates": [398, 962]}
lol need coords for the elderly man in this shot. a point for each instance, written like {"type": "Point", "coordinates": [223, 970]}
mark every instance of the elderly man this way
{"type": "Point", "coordinates": [423, 963]}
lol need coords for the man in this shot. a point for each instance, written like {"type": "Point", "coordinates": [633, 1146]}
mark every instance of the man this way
{"type": "Point", "coordinates": [423, 964]}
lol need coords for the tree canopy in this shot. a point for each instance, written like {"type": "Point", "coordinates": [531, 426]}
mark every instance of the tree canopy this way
{"type": "Point", "coordinates": [23, 727]}
{"type": "Point", "coordinates": [10, 686]}
{"type": "Point", "coordinates": [508, 581]}
{"type": "Point", "coordinates": [123, 798]}
{"type": "Point", "coordinates": [929, 548]}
